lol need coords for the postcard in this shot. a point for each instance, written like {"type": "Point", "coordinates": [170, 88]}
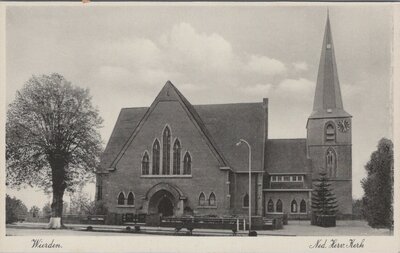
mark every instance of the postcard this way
{"type": "Point", "coordinates": [199, 127]}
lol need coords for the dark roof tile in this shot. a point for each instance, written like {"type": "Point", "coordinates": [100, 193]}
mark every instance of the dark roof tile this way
{"type": "Point", "coordinates": [287, 156]}
{"type": "Point", "coordinates": [223, 124]}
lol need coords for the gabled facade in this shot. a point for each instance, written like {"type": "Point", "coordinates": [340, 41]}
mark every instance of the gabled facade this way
{"type": "Point", "coordinates": [174, 158]}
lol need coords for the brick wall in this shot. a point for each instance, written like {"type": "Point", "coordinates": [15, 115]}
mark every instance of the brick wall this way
{"type": "Point", "coordinates": [317, 149]}
{"type": "Point", "coordinates": [206, 175]}
{"type": "Point", "coordinates": [242, 187]}
{"type": "Point", "coordinates": [287, 198]}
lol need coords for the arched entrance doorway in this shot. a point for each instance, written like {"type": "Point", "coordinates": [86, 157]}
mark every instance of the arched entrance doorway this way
{"type": "Point", "coordinates": [163, 203]}
{"type": "Point", "coordinates": [165, 207]}
{"type": "Point", "coordinates": [164, 199]}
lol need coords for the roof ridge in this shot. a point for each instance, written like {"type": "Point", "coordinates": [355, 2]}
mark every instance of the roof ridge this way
{"type": "Point", "coordinates": [195, 105]}
{"type": "Point", "coordinates": [240, 103]}
{"type": "Point", "coordinates": [274, 139]}
{"type": "Point", "coordinates": [139, 107]}
{"type": "Point", "coordinates": [201, 124]}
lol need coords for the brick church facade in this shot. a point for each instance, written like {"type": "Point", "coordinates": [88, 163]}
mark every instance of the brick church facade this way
{"type": "Point", "coordinates": [174, 158]}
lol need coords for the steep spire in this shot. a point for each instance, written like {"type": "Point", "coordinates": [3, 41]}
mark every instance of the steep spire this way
{"type": "Point", "coordinates": [328, 99]}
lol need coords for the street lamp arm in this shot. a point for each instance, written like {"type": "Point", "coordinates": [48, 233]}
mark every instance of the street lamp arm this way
{"type": "Point", "coordinates": [243, 141]}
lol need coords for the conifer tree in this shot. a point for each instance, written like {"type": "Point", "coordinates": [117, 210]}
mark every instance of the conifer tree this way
{"type": "Point", "coordinates": [323, 200]}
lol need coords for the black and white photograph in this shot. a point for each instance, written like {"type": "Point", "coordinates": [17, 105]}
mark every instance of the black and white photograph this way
{"type": "Point", "coordinates": [252, 126]}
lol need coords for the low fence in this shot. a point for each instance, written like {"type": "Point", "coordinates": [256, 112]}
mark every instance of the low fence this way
{"type": "Point", "coordinates": [71, 219]}
{"type": "Point", "coordinates": [234, 224]}
{"type": "Point", "coordinates": [231, 223]}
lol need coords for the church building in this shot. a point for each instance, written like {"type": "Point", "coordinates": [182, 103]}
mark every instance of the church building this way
{"type": "Point", "coordinates": [174, 158]}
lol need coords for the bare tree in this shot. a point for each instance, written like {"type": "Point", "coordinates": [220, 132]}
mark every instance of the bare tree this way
{"type": "Point", "coordinates": [52, 138]}
{"type": "Point", "coordinates": [82, 203]}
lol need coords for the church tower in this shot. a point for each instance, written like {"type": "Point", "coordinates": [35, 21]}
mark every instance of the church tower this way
{"type": "Point", "coordinates": [329, 129]}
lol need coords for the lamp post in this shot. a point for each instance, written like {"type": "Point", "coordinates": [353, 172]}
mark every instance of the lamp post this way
{"type": "Point", "coordinates": [248, 145]}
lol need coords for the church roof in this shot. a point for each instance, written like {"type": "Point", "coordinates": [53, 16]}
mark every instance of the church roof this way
{"type": "Point", "coordinates": [170, 93]}
{"type": "Point", "coordinates": [328, 99]}
{"type": "Point", "coordinates": [127, 121]}
{"type": "Point", "coordinates": [287, 156]}
{"type": "Point", "coordinates": [222, 125]}
{"type": "Point", "coordinates": [227, 123]}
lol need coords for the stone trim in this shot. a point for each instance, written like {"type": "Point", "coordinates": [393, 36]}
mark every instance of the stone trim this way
{"type": "Point", "coordinates": [166, 176]}
{"type": "Point", "coordinates": [124, 206]}
{"type": "Point", "coordinates": [207, 207]}
{"type": "Point", "coordinates": [287, 190]}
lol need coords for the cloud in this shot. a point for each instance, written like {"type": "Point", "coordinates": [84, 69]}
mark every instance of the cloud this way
{"type": "Point", "coordinates": [265, 66]}
{"type": "Point", "coordinates": [300, 66]}
{"type": "Point", "coordinates": [299, 91]}
{"type": "Point", "coordinates": [182, 55]}
{"type": "Point", "coordinates": [186, 47]}
{"type": "Point", "coordinates": [112, 73]}
{"type": "Point", "coordinates": [258, 90]}
{"type": "Point", "coordinates": [132, 51]}
{"type": "Point", "coordinates": [196, 63]}
{"type": "Point", "coordinates": [297, 86]}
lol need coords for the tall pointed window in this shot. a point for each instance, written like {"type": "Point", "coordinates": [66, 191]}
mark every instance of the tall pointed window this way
{"type": "Point", "coordinates": [202, 199]}
{"type": "Point", "coordinates": [121, 199]}
{"type": "Point", "coordinates": [166, 151]}
{"type": "Point", "coordinates": [212, 200]}
{"type": "Point", "coordinates": [270, 206]}
{"type": "Point", "coordinates": [246, 200]}
{"type": "Point", "coordinates": [293, 206]}
{"type": "Point", "coordinates": [145, 164]}
{"type": "Point", "coordinates": [131, 199]}
{"type": "Point", "coordinates": [99, 188]}
{"type": "Point", "coordinates": [303, 206]}
{"type": "Point", "coordinates": [156, 157]}
{"type": "Point", "coordinates": [331, 162]}
{"type": "Point", "coordinates": [99, 192]}
{"type": "Point", "coordinates": [330, 131]}
{"type": "Point", "coordinates": [187, 164]}
{"type": "Point", "coordinates": [279, 206]}
{"type": "Point", "coordinates": [176, 167]}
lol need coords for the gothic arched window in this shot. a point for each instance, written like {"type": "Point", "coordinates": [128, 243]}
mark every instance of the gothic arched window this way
{"type": "Point", "coordinates": [212, 200]}
{"type": "Point", "coordinates": [303, 206]}
{"type": "Point", "coordinates": [131, 199]}
{"type": "Point", "coordinates": [331, 162]}
{"type": "Point", "coordinates": [330, 131]}
{"type": "Point", "coordinates": [145, 164]}
{"type": "Point", "coordinates": [187, 164]}
{"type": "Point", "coordinates": [293, 206]}
{"type": "Point", "coordinates": [176, 167]}
{"type": "Point", "coordinates": [156, 157]}
{"type": "Point", "coordinates": [121, 199]}
{"type": "Point", "coordinates": [166, 151]}
{"type": "Point", "coordinates": [270, 206]}
{"type": "Point", "coordinates": [279, 206]}
{"type": "Point", "coordinates": [202, 199]}
{"type": "Point", "coordinates": [246, 200]}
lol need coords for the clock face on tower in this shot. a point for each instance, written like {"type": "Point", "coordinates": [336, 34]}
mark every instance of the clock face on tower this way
{"type": "Point", "coordinates": [343, 125]}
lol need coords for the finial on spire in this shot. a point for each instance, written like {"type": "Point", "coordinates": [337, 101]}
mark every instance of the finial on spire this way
{"type": "Point", "coordinates": [327, 12]}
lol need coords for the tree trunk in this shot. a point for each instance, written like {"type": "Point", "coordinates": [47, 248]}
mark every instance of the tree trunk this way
{"type": "Point", "coordinates": [56, 209]}
{"type": "Point", "coordinates": [57, 163]}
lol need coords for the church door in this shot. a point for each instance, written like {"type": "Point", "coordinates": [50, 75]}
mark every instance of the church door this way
{"type": "Point", "coordinates": [165, 207]}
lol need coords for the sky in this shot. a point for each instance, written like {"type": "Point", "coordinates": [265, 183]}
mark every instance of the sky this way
{"type": "Point", "coordinates": [222, 53]}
